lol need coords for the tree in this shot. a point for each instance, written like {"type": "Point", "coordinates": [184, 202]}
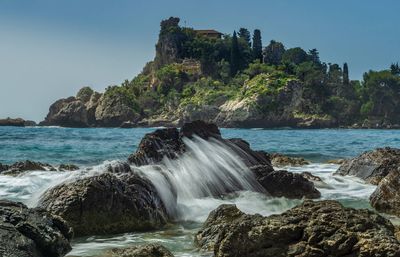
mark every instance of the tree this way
{"type": "Point", "coordinates": [294, 55]}
{"type": "Point", "coordinates": [395, 69]}
{"type": "Point", "coordinates": [346, 80]}
{"type": "Point", "coordinates": [245, 35]}
{"type": "Point", "coordinates": [235, 55]}
{"type": "Point", "coordinates": [314, 56]}
{"type": "Point", "coordinates": [257, 45]}
{"type": "Point", "coordinates": [273, 53]}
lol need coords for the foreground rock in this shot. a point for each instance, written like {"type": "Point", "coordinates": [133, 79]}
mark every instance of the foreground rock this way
{"type": "Point", "coordinates": [28, 232]}
{"type": "Point", "coordinates": [324, 228]}
{"type": "Point", "coordinates": [107, 204]}
{"type": "Point", "coordinates": [169, 143]}
{"type": "Point", "coordinates": [386, 197]}
{"type": "Point", "coordinates": [18, 122]}
{"type": "Point", "coordinates": [149, 250]}
{"type": "Point", "coordinates": [283, 160]}
{"type": "Point", "coordinates": [372, 166]}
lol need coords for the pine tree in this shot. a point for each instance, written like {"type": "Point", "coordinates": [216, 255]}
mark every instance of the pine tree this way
{"type": "Point", "coordinates": [257, 45]}
{"type": "Point", "coordinates": [235, 55]}
{"type": "Point", "coordinates": [245, 35]}
{"type": "Point", "coordinates": [314, 56]}
{"type": "Point", "coordinates": [346, 79]}
{"type": "Point", "coordinates": [395, 69]}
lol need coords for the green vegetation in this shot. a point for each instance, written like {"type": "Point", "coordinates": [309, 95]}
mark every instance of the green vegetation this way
{"type": "Point", "coordinates": [195, 69]}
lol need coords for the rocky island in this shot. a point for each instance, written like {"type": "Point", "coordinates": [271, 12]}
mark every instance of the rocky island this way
{"type": "Point", "coordinates": [233, 81]}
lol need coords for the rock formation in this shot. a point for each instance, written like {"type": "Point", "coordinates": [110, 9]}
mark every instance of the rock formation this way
{"type": "Point", "coordinates": [323, 228]}
{"type": "Point", "coordinates": [372, 166]}
{"type": "Point", "coordinates": [28, 232]}
{"type": "Point", "coordinates": [386, 197]}
{"type": "Point", "coordinates": [107, 204]}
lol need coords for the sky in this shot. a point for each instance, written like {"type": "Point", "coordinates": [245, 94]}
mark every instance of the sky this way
{"type": "Point", "coordinates": [49, 49]}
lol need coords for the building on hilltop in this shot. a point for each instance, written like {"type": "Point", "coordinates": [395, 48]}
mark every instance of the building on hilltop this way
{"type": "Point", "coordinates": [209, 33]}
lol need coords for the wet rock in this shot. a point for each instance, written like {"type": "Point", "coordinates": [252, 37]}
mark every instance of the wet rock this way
{"type": "Point", "coordinates": [68, 167]}
{"type": "Point", "coordinates": [323, 228]}
{"type": "Point", "coordinates": [309, 176]}
{"type": "Point", "coordinates": [118, 167]}
{"type": "Point", "coordinates": [107, 204]}
{"type": "Point", "coordinates": [156, 145]}
{"type": "Point", "coordinates": [282, 183]}
{"type": "Point", "coordinates": [148, 250]}
{"type": "Point", "coordinates": [338, 161]}
{"type": "Point", "coordinates": [18, 167]}
{"type": "Point", "coordinates": [28, 232]}
{"type": "Point", "coordinates": [248, 156]}
{"type": "Point", "coordinates": [372, 166]}
{"type": "Point", "coordinates": [386, 197]}
{"type": "Point", "coordinates": [128, 124]}
{"type": "Point", "coordinates": [278, 159]}
{"type": "Point", "coordinates": [200, 128]}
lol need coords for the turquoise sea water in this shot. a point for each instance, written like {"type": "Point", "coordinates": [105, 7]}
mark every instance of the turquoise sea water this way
{"type": "Point", "coordinates": [90, 146]}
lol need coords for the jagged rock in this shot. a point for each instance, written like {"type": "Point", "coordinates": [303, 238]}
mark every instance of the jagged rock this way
{"type": "Point", "coordinates": [28, 232]}
{"type": "Point", "coordinates": [249, 157]}
{"type": "Point", "coordinates": [68, 167]}
{"type": "Point", "coordinates": [372, 166]}
{"type": "Point", "coordinates": [156, 145]}
{"type": "Point", "coordinates": [278, 159]}
{"type": "Point", "coordinates": [107, 204]}
{"type": "Point", "coordinates": [281, 183]}
{"type": "Point", "coordinates": [386, 197]}
{"type": "Point", "coordinates": [148, 250]}
{"type": "Point", "coordinates": [323, 228]}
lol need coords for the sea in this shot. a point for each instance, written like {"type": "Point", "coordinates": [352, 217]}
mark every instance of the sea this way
{"type": "Point", "coordinates": [195, 175]}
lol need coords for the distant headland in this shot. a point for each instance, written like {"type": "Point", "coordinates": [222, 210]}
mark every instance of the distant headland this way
{"type": "Point", "coordinates": [234, 81]}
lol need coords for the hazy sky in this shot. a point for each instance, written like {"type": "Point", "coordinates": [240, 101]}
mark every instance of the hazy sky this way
{"type": "Point", "coordinates": [51, 48]}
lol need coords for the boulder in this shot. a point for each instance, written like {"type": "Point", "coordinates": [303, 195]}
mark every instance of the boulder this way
{"type": "Point", "coordinates": [372, 166]}
{"type": "Point", "coordinates": [279, 160]}
{"type": "Point", "coordinates": [156, 145]}
{"type": "Point", "coordinates": [107, 204]}
{"type": "Point", "coordinates": [201, 129]}
{"type": "Point", "coordinates": [323, 228]}
{"type": "Point", "coordinates": [282, 183]}
{"type": "Point", "coordinates": [386, 197]}
{"type": "Point", "coordinates": [28, 232]}
{"type": "Point", "coordinates": [148, 250]}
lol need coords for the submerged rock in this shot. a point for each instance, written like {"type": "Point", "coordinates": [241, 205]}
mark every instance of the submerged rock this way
{"type": "Point", "coordinates": [26, 165]}
{"type": "Point", "coordinates": [372, 166]}
{"type": "Point", "coordinates": [68, 167]}
{"type": "Point", "coordinates": [28, 232]}
{"type": "Point", "coordinates": [278, 159]}
{"type": "Point", "coordinates": [107, 204]}
{"type": "Point", "coordinates": [148, 250]}
{"type": "Point", "coordinates": [323, 228]}
{"type": "Point", "coordinates": [386, 197]}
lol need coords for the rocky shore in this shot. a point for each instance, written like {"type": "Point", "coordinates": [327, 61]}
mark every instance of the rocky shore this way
{"type": "Point", "coordinates": [123, 199]}
{"type": "Point", "coordinates": [18, 122]}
